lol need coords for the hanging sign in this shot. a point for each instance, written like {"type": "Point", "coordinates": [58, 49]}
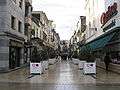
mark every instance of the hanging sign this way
{"type": "Point", "coordinates": [106, 16]}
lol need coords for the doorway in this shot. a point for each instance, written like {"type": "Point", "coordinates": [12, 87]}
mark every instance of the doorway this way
{"type": "Point", "coordinates": [14, 57]}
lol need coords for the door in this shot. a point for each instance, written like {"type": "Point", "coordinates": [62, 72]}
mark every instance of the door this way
{"type": "Point", "coordinates": [14, 57]}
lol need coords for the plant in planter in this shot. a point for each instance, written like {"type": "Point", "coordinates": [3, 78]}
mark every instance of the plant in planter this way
{"type": "Point", "coordinates": [75, 55]}
{"type": "Point", "coordinates": [85, 58]}
{"type": "Point", "coordinates": [44, 56]}
{"type": "Point", "coordinates": [52, 56]}
{"type": "Point", "coordinates": [75, 58]}
{"type": "Point", "coordinates": [35, 56]}
{"type": "Point", "coordinates": [89, 67]}
{"type": "Point", "coordinates": [35, 64]}
{"type": "Point", "coordinates": [88, 57]}
{"type": "Point", "coordinates": [82, 60]}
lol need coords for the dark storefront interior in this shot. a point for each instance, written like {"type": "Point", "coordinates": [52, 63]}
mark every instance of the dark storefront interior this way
{"type": "Point", "coordinates": [14, 54]}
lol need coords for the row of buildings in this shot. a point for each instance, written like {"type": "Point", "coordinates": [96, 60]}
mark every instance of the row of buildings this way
{"type": "Point", "coordinates": [22, 29]}
{"type": "Point", "coordinates": [98, 32]}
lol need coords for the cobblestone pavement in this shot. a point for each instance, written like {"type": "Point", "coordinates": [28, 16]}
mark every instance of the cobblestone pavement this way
{"type": "Point", "coordinates": [60, 76]}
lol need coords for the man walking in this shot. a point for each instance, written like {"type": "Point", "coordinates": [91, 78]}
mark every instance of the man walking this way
{"type": "Point", "coordinates": [107, 61]}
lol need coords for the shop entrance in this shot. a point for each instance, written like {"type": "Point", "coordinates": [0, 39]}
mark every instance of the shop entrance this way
{"type": "Point", "coordinates": [14, 57]}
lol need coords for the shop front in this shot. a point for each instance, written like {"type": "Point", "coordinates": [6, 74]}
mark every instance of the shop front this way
{"type": "Point", "coordinates": [111, 23]}
{"type": "Point", "coordinates": [109, 42]}
{"type": "Point", "coordinates": [100, 42]}
{"type": "Point", "coordinates": [15, 55]}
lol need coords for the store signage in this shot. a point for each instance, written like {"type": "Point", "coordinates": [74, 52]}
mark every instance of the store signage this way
{"type": "Point", "coordinates": [113, 23]}
{"type": "Point", "coordinates": [112, 11]}
{"type": "Point", "coordinates": [35, 68]}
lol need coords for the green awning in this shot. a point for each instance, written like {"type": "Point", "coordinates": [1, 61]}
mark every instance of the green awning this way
{"type": "Point", "coordinates": [97, 44]}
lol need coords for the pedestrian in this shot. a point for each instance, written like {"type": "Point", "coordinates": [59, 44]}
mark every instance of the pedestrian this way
{"type": "Point", "coordinates": [107, 61]}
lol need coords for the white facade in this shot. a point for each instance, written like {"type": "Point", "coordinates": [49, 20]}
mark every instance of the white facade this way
{"type": "Point", "coordinates": [94, 9]}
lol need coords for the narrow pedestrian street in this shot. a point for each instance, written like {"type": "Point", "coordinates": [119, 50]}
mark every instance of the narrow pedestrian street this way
{"type": "Point", "coordinates": [63, 75]}
{"type": "Point", "coordinates": [59, 44]}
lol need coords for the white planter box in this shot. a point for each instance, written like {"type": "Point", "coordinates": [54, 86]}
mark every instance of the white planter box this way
{"type": "Point", "coordinates": [81, 64]}
{"type": "Point", "coordinates": [45, 65]}
{"type": "Point", "coordinates": [35, 68]}
{"type": "Point", "coordinates": [76, 61]}
{"type": "Point", "coordinates": [89, 68]}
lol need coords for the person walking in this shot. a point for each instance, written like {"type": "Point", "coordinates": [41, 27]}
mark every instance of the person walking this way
{"type": "Point", "coordinates": [107, 61]}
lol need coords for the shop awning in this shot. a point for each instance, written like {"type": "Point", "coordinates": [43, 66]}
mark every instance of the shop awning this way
{"type": "Point", "coordinates": [97, 43]}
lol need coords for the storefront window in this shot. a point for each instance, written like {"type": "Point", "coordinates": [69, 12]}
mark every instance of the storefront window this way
{"type": "Point", "coordinates": [115, 57]}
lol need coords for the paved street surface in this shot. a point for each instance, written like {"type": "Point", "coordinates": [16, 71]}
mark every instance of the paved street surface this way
{"type": "Point", "coordinates": [60, 76]}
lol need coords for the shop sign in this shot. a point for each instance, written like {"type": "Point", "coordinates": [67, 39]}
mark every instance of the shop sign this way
{"type": "Point", "coordinates": [112, 11]}
{"type": "Point", "coordinates": [112, 24]}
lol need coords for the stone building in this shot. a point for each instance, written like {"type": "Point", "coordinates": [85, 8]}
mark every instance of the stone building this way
{"type": "Point", "coordinates": [28, 28]}
{"type": "Point", "coordinates": [41, 16]}
{"type": "Point", "coordinates": [48, 34]}
{"type": "Point", "coordinates": [12, 38]}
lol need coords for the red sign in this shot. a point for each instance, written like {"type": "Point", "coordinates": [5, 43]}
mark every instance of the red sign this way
{"type": "Point", "coordinates": [106, 16]}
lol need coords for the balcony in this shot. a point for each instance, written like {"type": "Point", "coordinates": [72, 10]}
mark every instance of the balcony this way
{"type": "Point", "coordinates": [28, 21]}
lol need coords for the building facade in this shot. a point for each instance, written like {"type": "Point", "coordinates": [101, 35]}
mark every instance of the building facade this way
{"type": "Point", "coordinates": [78, 38]}
{"type": "Point", "coordinates": [93, 25]}
{"type": "Point", "coordinates": [12, 36]}
{"type": "Point", "coordinates": [28, 28]}
{"type": "Point", "coordinates": [47, 33]}
{"type": "Point", "coordinates": [41, 16]}
{"type": "Point", "coordinates": [111, 23]}
{"type": "Point", "coordinates": [107, 42]}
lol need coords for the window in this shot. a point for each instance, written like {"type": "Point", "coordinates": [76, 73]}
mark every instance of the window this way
{"type": "Point", "coordinates": [40, 33]}
{"type": "Point", "coordinates": [36, 32]}
{"type": "Point", "coordinates": [26, 30]}
{"type": "Point", "coordinates": [19, 26]}
{"type": "Point", "coordinates": [44, 36]}
{"type": "Point", "coordinates": [13, 22]}
{"type": "Point", "coordinates": [20, 3]}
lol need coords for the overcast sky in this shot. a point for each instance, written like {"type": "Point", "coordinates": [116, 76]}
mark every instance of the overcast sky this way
{"type": "Point", "coordinates": [65, 14]}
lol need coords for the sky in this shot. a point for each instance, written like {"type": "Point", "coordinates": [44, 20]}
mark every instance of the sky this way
{"type": "Point", "coordinates": [64, 13]}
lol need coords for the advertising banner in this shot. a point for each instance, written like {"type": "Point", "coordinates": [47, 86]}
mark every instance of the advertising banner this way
{"type": "Point", "coordinates": [89, 68]}
{"type": "Point", "coordinates": [35, 68]}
